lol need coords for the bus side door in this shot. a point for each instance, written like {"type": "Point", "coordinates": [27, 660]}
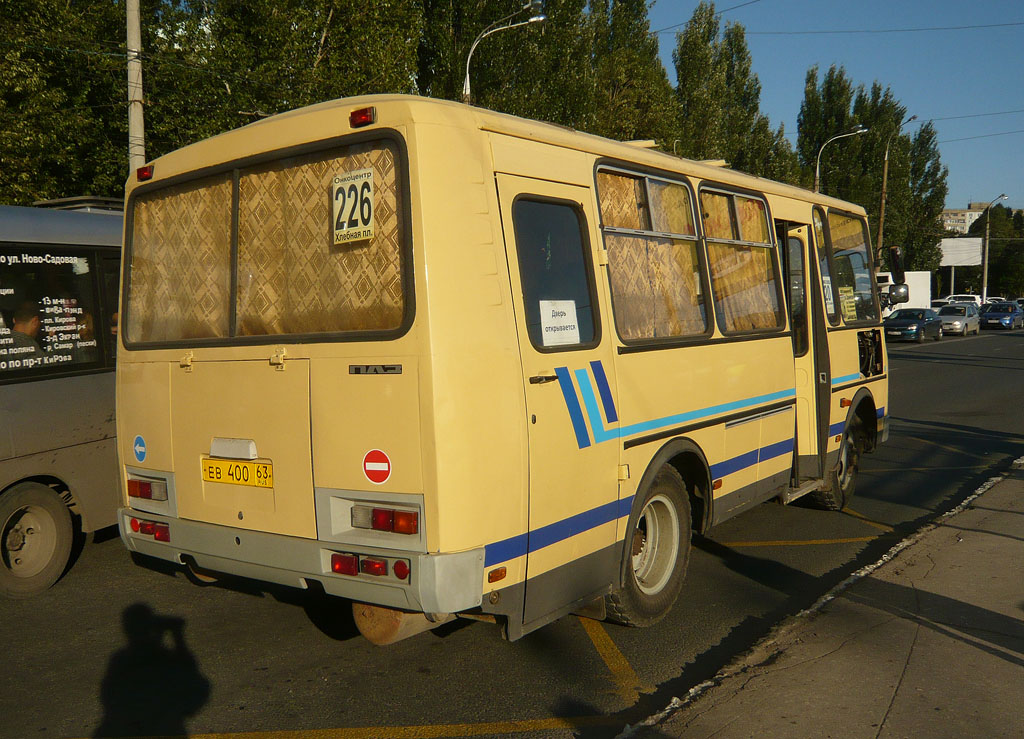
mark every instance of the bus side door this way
{"type": "Point", "coordinates": [569, 387]}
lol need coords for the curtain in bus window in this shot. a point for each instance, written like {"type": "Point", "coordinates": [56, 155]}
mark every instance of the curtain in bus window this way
{"type": "Point", "coordinates": [670, 208]}
{"type": "Point", "coordinates": [622, 201]}
{"type": "Point", "coordinates": [717, 221]}
{"type": "Point", "coordinates": [853, 277]}
{"type": "Point", "coordinates": [655, 287]}
{"type": "Point", "coordinates": [743, 284]}
{"type": "Point", "coordinates": [753, 220]}
{"type": "Point", "coordinates": [181, 262]}
{"type": "Point", "coordinates": [292, 279]}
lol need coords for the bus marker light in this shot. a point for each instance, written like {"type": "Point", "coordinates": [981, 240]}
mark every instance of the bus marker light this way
{"type": "Point", "coordinates": [407, 522]}
{"type": "Point", "coordinates": [369, 566]}
{"type": "Point", "coordinates": [144, 173]}
{"type": "Point", "coordinates": [498, 573]}
{"type": "Point", "coordinates": [383, 519]}
{"type": "Point", "coordinates": [839, 438]}
{"type": "Point", "coordinates": [845, 402]}
{"type": "Point", "coordinates": [401, 569]}
{"type": "Point", "coordinates": [162, 532]}
{"type": "Point", "coordinates": [345, 564]}
{"type": "Point", "coordinates": [716, 485]}
{"type": "Point", "coordinates": [362, 117]}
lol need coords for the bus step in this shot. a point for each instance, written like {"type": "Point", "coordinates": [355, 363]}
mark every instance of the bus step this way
{"type": "Point", "coordinates": [791, 494]}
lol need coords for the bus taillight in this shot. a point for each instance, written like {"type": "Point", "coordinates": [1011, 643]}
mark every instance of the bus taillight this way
{"type": "Point", "coordinates": [345, 564]}
{"type": "Point", "coordinates": [362, 117]}
{"type": "Point", "coordinates": [386, 519]}
{"type": "Point", "coordinates": [159, 531]}
{"type": "Point", "coordinates": [373, 566]}
{"type": "Point", "coordinates": [147, 489]}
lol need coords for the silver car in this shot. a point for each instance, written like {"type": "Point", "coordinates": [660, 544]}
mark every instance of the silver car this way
{"type": "Point", "coordinates": [960, 319]}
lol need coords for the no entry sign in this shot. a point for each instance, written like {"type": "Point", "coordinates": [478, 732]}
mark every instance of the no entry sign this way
{"type": "Point", "coordinates": [376, 466]}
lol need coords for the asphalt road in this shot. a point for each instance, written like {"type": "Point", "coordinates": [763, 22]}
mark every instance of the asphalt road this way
{"type": "Point", "coordinates": [121, 649]}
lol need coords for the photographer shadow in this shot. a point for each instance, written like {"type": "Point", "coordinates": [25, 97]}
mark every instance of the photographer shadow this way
{"type": "Point", "coordinates": [153, 684]}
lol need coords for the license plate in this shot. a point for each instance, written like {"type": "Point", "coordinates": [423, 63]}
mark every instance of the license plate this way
{"type": "Point", "coordinates": [239, 472]}
{"type": "Point", "coordinates": [893, 333]}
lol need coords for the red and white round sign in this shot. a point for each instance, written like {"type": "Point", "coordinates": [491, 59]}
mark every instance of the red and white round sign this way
{"type": "Point", "coordinates": [377, 466]}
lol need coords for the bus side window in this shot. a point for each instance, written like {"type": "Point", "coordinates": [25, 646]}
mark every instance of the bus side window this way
{"type": "Point", "coordinates": [826, 273]}
{"type": "Point", "coordinates": [557, 291]}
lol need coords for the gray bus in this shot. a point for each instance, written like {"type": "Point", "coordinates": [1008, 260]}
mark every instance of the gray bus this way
{"type": "Point", "coordinates": [58, 322]}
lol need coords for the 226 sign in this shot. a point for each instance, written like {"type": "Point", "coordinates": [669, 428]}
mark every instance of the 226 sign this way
{"type": "Point", "coordinates": [352, 203]}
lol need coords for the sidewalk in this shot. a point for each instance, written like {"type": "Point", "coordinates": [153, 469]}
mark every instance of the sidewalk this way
{"type": "Point", "coordinates": [929, 644]}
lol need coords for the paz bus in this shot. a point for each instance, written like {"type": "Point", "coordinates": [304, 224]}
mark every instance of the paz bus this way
{"type": "Point", "coordinates": [446, 362]}
{"type": "Point", "coordinates": [59, 273]}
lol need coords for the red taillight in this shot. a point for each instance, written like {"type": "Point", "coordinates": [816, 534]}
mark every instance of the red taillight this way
{"type": "Point", "coordinates": [407, 522]}
{"type": "Point", "coordinates": [135, 525]}
{"type": "Point", "coordinates": [362, 117]}
{"type": "Point", "coordinates": [369, 566]}
{"type": "Point", "coordinates": [144, 173]}
{"type": "Point", "coordinates": [140, 489]}
{"type": "Point", "coordinates": [345, 564]}
{"type": "Point", "coordinates": [383, 519]}
{"type": "Point", "coordinates": [147, 527]}
{"type": "Point", "coordinates": [162, 532]}
{"type": "Point", "coordinates": [401, 569]}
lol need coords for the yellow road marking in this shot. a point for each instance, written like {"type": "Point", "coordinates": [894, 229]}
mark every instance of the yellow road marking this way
{"type": "Point", "coordinates": [437, 731]}
{"type": "Point", "coordinates": [803, 543]}
{"type": "Point", "coordinates": [868, 521]}
{"type": "Point", "coordinates": [629, 685]}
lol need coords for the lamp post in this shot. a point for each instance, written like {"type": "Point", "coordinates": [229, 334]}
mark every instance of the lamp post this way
{"type": "Point", "coordinates": [984, 251]}
{"type": "Point", "coordinates": [817, 167]}
{"type": "Point", "coordinates": [885, 178]}
{"type": "Point", "coordinates": [502, 24]}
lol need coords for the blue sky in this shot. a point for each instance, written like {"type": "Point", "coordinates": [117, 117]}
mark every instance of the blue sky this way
{"type": "Point", "coordinates": [936, 74]}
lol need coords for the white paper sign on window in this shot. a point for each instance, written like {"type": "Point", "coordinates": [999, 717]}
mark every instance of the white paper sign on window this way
{"type": "Point", "coordinates": [558, 322]}
{"type": "Point", "coordinates": [826, 284]}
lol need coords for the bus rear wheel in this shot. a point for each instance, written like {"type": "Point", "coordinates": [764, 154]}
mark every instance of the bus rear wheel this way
{"type": "Point", "coordinates": [35, 539]}
{"type": "Point", "coordinates": [842, 480]}
{"type": "Point", "coordinates": [655, 555]}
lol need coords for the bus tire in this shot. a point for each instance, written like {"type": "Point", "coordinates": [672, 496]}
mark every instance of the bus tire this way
{"type": "Point", "coordinates": [842, 480]}
{"type": "Point", "coordinates": [655, 553]}
{"type": "Point", "coordinates": [35, 539]}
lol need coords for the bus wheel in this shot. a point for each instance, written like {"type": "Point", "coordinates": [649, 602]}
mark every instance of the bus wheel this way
{"type": "Point", "coordinates": [35, 539]}
{"type": "Point", "coordinates": [843, 478]}
{"type": "Point", "coordinates": [656, 551]}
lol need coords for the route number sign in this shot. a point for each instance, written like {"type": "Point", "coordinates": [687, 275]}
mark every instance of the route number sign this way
{"type": "Point", "coordinates": [352, 206]}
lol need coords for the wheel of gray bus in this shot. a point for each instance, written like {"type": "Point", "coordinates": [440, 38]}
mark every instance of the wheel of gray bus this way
{"type": "Point", "coordinates": [842, 480]}
{"type": "Point", "coordinates": [656, 551]}
{"type": "Point", "coordinates": [35, 539]}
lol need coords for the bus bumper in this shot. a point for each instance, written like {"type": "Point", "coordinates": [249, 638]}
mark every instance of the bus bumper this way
{"type": "Point", "coordinates": [437, 583]}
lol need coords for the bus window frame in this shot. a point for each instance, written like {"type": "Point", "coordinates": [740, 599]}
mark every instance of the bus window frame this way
{"type": "Point", "coordinates": [588, 268]}
{"type": "Point", "coordinates": [96, 255]}
{"type": "Point", "coordinates": [234, 167]}
{"type": "Point", "coordinates": [636, 345]}
{"type": "Point", "coordinates": [781, 327]}
{"type": "Point", "coordinates": [841, 321]}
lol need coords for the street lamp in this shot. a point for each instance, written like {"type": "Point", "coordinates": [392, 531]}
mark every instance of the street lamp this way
{"type": "Point", "coordinates": [984, 251]}
{"type": "Point", "coordinates": [534, 6]}
{"type": "Point", "coordinates": [885, 177]}
{"type": "Point", "coordinates": [817, 167]}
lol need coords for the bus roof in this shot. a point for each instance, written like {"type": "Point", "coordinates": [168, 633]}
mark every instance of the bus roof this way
{"type": "Point", "coordinates": [44, 226]}
{"type": "Point", "coordinates": [394, 110]}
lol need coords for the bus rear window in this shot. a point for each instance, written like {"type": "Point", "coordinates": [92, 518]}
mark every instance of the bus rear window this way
{"type": "Point", "coordinates": [318, 248]}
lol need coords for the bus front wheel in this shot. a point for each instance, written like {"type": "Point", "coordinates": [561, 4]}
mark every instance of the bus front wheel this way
{"type": "Point", "coordinates": [842, 480]}
{"type": "Point", "coordinates": [656, 551]}
{"type": "Point", "coordinates": [35, 539]}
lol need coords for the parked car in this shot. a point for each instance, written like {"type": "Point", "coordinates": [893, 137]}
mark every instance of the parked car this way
{"type": "Point", "coordinates": [1002, 315]}
{"type": "Point", "coordinates": [964, 298]}
{"type": "Point", "coordinates": [913, 324]}
{"type": "Point", "coordinates": [960, 318]}
{"type": "Point", "coordinates": [939, 302]}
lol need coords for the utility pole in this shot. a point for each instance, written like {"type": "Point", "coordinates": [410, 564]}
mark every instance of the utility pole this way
{"type": "Point", "coordinates": [984, 249]}
{"type": "Point", "coordinates": [136, 131]}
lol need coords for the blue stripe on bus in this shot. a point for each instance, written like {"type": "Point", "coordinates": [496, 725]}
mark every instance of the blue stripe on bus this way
{"type": "Point", "coordinates": [573, 405]}
{"type": "Point", "coordinates": [776, 450]}
{"type": "Point", "coordinates": [593, 411]}
{"type": "Point", "coordinates": [545, 536]}
{"type": "Point", "coordinates": [729, 466]}
{"type": "Point", "coordinates": [605, 391]}
{"type": "Point", "coordinates": [846, 378]}
{"type": "Point", "coordinates": [880, 412]}
{"type": "Point", "coordinates": [837, 428]}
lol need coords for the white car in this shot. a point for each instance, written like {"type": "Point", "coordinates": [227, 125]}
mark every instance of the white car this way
{"type": "Point", "coordinates": [964, 298]}
{"type": "Point", "coordinates": [960, 319]}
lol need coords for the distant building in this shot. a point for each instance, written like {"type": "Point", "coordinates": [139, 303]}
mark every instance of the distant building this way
{"type": "Point", "coordinates": [961, 220]}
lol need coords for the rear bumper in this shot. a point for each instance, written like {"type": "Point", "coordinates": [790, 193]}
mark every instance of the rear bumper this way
{"type": "Point", "coordinates": [437, 583]}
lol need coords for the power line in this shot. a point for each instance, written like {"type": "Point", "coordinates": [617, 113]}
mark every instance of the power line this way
{"type": "Point", "coordinates": [983, 136]}
{"type": "Point", "coordinates": [720, 12]}
{"type": "Point", "coordinates": [848, 31]}
{"type": "Point", "coordinates": [976, 115]}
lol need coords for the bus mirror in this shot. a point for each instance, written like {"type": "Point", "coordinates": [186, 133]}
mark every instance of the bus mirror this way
{"type": "Point", "coordinates": [896, 267]}
{"type": "Point", "coordinates": [897, 294]}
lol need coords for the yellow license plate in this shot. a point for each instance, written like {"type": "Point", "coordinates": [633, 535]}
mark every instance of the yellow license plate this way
{"type": "Point", "coordinates": [239, 472]}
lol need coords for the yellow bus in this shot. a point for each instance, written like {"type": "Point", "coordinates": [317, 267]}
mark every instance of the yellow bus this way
{"type": "Point", "coordinates": [442, 361]}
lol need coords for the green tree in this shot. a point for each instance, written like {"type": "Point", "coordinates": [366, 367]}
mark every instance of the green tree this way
{"type": "Point", "coordinates": [928, 190]}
